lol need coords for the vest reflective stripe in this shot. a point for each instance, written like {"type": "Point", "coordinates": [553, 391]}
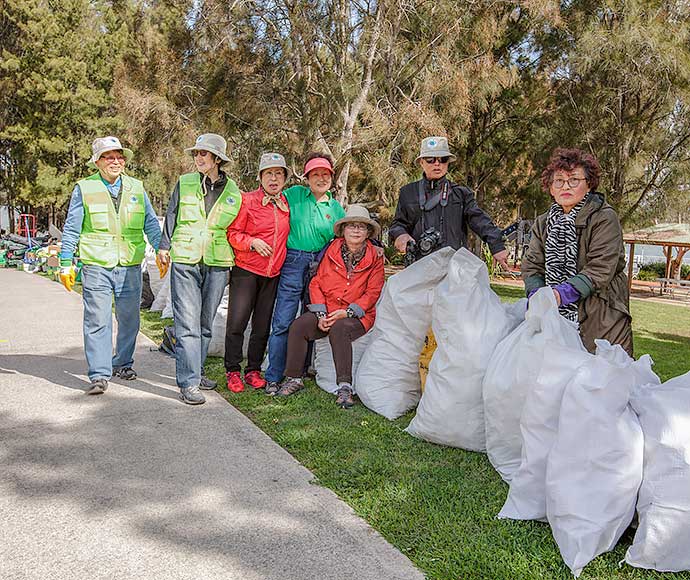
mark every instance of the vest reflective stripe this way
{"type": "Point", "coordinates": [200, 238]}
{"type": "Point", "coordinates": [108, 238]}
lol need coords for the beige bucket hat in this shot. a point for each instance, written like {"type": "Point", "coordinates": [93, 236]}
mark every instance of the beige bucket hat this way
{"type": "Point", "coordinates": [357, 214]}
{"type": "Point", "coordinates": [435, 147]}
{"type": "Point", "coordinates": [212, 143]}
{"type": "Point", "coordinates": [102, 145]}
{"type": "Point", "coordinates": [269, 160]}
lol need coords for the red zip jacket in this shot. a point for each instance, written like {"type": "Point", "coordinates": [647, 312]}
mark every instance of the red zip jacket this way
{"type": "Point", "coordinates": [266, 222]}
{"type": "Point", "coordinates": [333, 289]}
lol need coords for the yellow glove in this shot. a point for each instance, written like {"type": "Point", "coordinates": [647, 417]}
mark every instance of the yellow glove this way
{"type": "Point", "coordinates": [68, 275]}
{"type": "Point", "coordinates": [163, 263]}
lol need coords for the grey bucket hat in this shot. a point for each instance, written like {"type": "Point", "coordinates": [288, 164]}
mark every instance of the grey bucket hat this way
{"type": "Point", "coordinates": [356, 214]}
{"type": "Point", "coordinates": [269, 160]}
{"type": "Point", "coordinates": [212, 143]}
{"type": "Point", "coordinates": [435, 147]}
{"type": "Point", "coordinates": [102, 145]}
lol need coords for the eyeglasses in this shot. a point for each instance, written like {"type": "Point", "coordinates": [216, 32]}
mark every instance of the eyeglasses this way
{"type": "Point", "coordinates": [114, 159]}
{"type": "Point", "coordinates": [356, 226]}
{"type": "Point", "coordinates": [572, 182]}
{"type": "Point", "coordinates": [200, 152]}
{"type": "Point", "coordinates": [432, 160]}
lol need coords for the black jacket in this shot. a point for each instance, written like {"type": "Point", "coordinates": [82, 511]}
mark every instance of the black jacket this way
{"type": "Point", "coordinates": [460, 213]}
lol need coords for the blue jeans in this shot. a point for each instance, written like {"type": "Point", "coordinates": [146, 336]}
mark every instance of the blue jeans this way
{"type": "Point", "coordinates": [196, 292]}
{"type": "Point", "coordinates": [291, 288]}
{"type": "Point", "coordinates": [99, 285]}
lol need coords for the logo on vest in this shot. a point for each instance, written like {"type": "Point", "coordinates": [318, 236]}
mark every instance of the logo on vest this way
{"type": "Point", "coordinates": [230, 201]}
{"type": "Point", "coordinates": [133, 199]}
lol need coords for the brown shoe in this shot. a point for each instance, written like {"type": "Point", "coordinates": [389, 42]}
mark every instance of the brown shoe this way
{"type": "Point", "coordinates": [345, 400]}
{"type": "Point", "coordinates": [290, 387]}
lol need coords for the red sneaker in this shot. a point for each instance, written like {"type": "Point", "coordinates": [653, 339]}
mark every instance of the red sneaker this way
{"type": "Point", "coordinates": [254, 379]}
{"type": "Point", "coordinates": [235, 384]}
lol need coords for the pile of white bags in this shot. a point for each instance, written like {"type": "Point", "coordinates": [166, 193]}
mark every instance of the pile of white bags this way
{"type": "Point", "coordinates": [662, 541]}
{"type": "Point", "coordinates": [539, 427]}
{"type": "Point", "coordinates": [594, 468]}
{"type": "Point", "coordinates": [468, 321]}
{"type": "Point", "coordinates": [512, 373]}
{"type": "Point", "coordinates": [325, 367]}
{"type": "Point", "coordinates": [217, 344]}
{"type": "Point", "coordinates": [388, 380]}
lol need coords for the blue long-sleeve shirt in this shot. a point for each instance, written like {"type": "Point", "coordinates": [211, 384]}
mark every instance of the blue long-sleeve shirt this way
{"type": "Point", "coordinates": [75, 220]}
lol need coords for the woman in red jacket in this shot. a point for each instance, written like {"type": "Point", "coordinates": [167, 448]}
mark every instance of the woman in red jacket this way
{"type": "Point", "coordinates": [259, 236]}
{"type": "Point", "coordinates": [343, 296]}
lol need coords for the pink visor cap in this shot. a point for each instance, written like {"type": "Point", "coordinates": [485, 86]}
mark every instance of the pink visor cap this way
{"type": "Point", "coordinates": [317, 163]}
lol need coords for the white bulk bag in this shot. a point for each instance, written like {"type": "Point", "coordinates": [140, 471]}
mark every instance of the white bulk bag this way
{"type": "Point", "coordinates": [388, 380]}
{"type": "Point", "coordinates": [539, 427]}
{"type": "Point", "coordinates": [217, 345]}
{"type": "Point", "coordinates": [325, 367]}
{"type": "Point", "coordinates": [512, 373]}
{"type": "Point", "coordinates": [163, 300]}
{"type": "Point", "coordinates": [662, 540]}
{"type": "Point", "coordinates": [468, 321]}
{"type": "Point", "coordinates": [594, 468]}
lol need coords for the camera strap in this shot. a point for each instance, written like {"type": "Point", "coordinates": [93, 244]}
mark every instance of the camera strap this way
{"type": "Point", "coordinates": [429, 204]}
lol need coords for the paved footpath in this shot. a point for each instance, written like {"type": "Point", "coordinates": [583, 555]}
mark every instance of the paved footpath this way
{"type": "Point", "coordinates": [135, 485]}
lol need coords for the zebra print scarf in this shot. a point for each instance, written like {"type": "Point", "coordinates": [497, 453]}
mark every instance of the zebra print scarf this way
{"type": "Point", "coordinates": [561, 250]}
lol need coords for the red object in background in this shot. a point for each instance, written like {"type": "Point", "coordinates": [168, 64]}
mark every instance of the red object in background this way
{"type": "Point", "coordinates": [26, 225]}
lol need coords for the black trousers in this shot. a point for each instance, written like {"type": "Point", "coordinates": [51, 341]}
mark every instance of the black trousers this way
{"type": "Point", "coordinates": [249, 296]}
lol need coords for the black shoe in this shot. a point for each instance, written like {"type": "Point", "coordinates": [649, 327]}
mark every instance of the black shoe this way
{"type": "Point", "coordinates": [125, 373]}
{"type": "Point", "coordinates": [272, 388]}
{"type": "Point", "coordinates": [192, 396]}
{"type": "Point", "coordinates": [207, 384]}
{"type": "Point", "coordinates": [344, 400]}
{"type": "Point", "coordinates": [98, 387]}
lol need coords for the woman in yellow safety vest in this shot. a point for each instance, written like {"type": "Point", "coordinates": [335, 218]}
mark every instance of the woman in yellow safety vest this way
{"type": "Point", "coordinates": [202, 206]}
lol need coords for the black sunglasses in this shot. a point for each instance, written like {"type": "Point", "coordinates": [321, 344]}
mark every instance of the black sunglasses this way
{"type": "Point", "coordinates": [432, 160]}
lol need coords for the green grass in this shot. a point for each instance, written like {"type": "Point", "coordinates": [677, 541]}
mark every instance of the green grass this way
{"type": "Point", "coordinates": [437, 504]}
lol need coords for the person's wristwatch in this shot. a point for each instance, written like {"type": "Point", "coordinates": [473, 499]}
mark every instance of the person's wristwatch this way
{"type": "Point", "coordinates": [350, 312]}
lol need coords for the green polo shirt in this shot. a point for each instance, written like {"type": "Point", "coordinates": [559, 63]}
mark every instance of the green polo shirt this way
{"type": "Point", "coordinates": [311, 223]}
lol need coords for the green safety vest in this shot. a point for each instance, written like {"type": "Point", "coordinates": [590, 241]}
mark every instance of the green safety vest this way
{"type": "Point", "coordinates": [197, 237]}
{"type": "Point", "coordinates": [107, 238]}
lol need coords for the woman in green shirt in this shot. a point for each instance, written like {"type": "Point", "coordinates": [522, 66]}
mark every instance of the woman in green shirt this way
{"type": "Point", "coordinates": [313, 211]}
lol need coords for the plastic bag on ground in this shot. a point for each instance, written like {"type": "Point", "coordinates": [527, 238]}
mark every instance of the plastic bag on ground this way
{"type": "Point", "coordinates": [217, 345]}
{"type": "Point", "coordinates": [662, 540]}
{"type": "Point", "coordinates": [539, 427]}
{"type": "Point", "coordinates": [388, 379]}
{"type": "Point", "coordinates": [512, 373]}
{"type": "Point", "coordinates": [325, 367]}
{"type": "Point", "coordinates": [468, 321]}
{"type": "Point", "coordinates": [594, 468]}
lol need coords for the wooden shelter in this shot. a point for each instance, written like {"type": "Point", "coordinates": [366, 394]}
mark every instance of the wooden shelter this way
{"type": "Point", "coordinates": [668, 236]}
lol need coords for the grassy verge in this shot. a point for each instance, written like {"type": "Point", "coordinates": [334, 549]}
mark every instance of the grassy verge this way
{"type": "Point", "coordinates": [437, 504]}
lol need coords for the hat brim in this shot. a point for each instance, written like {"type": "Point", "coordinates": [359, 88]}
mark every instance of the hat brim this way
{"type": "Point", "coordinates": [128, 153]}
{"type": "Point", "coordinates": [217, 153]}
{"type": "Point", "coordinates": [288, 173]}
{"type": "Point", "coordinates": [451, 157]}
{"type": "Point", "coordinates": [340, 224]}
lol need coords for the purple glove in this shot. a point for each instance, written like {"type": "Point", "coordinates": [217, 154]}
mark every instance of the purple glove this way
{"type": "Point", "coordinates": [568, 293]}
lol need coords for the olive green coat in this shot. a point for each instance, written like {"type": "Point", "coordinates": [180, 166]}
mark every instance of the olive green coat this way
{"type": "Point", "coordinates": [601, 280]}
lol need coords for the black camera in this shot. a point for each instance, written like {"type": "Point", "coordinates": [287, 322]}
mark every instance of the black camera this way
{"type": "Point", "coordinates": [429, 241]}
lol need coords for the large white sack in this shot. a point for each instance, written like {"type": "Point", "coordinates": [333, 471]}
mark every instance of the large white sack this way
{"type": "Point", "coordinates": [162, 300]}
{"type": "Point", "coordinates": [217, 345]}
{"type": "Point", "coordinates": [512, 373]}
{"type": "Point", "coordinates": [662, 540]}
{"type": "Point", "coordinates": [468, 321]}
{"type": "Point", "coordinates": [594, 468]}
{"type": "Point", "coordinates": [388, 380]}
{"type": "Point", "coordinates": [539, 427]}
{"type": "Point", "coordinates": [325, 367]}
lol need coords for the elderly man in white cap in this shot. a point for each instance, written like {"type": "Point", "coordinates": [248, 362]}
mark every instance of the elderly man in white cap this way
{"type": "Point", "coordinates": [434, 212]}
{"type": "Point", "coordinates": [202, 207]}
{"type": "Point", "coordinates": [109, 213]}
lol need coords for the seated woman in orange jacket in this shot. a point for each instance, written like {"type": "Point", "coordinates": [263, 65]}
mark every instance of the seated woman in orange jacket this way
{"type": "Point", "coordinates": [343, 296]}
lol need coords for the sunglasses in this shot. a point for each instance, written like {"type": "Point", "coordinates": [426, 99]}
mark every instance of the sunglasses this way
{"type": "Point", "coordinates": [199, 152]}
{"type": "Point", "coordinates": [432, 160]}
{"type": "Point", "coordinates": [113, 159]}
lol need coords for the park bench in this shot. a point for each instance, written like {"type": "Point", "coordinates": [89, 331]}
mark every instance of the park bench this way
{"type": "Point", "coordinates": [670, 285]}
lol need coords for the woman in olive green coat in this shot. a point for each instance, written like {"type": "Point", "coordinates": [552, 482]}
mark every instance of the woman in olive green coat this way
{"type": "Point", "coordinates": [577, 249]}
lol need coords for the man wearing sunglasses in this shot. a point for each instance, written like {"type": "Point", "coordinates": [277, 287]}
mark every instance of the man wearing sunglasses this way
{"type": "Point", "coordinates": [437, 205]}
{"type": "Point", "coordinates": [109, 213]}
